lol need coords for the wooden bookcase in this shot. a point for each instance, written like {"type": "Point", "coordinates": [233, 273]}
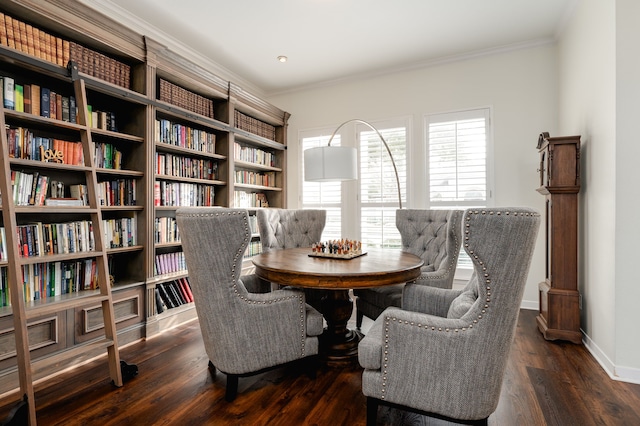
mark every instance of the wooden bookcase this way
{"type": "Point", "coordinates": [559, 317]}
{"type": "Point", "coordinates": [124, 308]}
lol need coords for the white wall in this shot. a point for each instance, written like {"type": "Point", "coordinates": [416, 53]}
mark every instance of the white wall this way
{"type": "Point", "coordinates": [599, 92]}
{"type": "Point", "coordinates": [520, 86]}
{"type": "Point", "coordinates": [627, 358]}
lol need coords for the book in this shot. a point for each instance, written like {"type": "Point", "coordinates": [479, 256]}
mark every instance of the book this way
{"type": "Point", "coordinates": [58, 108]}
{"type": "Point", "coordinates": [160, 305]}
{"type": "Point", "coordinates": [35, 99]}
{"type": "Point", "coordinates": [69, 202]}
{"type": "Point", "coordinates": [10, 35]}
{"type": "Point", "coordinates": [73, 110]}
{"type": "Point", "coordinates": [165, 296]}
{"type": "Point", "coordinates": [45, 102]}
{"type": "Point", "coordinates": [30, 42]}
{"type": "Point", "coordinates": [8, 92]}
{"type": "Point", "coordinates": [3, 37]}
{"type": "Point", "coordinates": [18, 97]}
{"type": "Point", "coordinates": [65, 108]}
{"type": "Point", "coordinates": [27, 98]}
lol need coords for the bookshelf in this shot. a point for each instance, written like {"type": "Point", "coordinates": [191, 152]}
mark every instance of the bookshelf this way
{"type": "Point", "coordinates": [132, 98]}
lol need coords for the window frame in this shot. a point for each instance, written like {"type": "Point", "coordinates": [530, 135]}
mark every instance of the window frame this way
{"type": "Point", "coordinates": [462, 273]}
{"type": "Point", "coordinates": [382, 126]}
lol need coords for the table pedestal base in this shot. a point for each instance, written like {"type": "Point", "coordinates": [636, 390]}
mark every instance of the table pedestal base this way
{"type": "Point", "coordinates": [338, 344]}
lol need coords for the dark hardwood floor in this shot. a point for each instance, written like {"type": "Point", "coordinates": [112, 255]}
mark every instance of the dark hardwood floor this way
{"type": "Point", "coordinates": [545, 384]}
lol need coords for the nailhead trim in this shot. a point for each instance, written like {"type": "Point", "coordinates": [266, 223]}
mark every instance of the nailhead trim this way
{"type": "Point", "coordinates": [487, 281]}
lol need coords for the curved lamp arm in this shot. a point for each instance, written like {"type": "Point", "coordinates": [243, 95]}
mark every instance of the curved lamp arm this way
{"type": "Point", "coordinates": [395, 170]}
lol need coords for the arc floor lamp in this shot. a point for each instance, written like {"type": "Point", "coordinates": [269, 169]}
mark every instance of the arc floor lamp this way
{"type": "Point", "coordinates": [339, 163]}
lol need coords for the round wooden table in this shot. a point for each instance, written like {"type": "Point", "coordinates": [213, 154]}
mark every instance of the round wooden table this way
{"type": "Point", "coordinates": [378, 267]}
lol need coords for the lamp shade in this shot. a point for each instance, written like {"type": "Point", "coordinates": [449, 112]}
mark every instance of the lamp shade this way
{"type": "Point", "coordinates": [330, 164]}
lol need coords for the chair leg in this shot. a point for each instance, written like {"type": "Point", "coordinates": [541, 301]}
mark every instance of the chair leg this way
{"type": "Point", "coordinates": [232, 387]}
{"type": "Point", "coordinates": [212, 370]}
{"type": "Point", "coordinates": [359, 317]}
{"type": "Point", "coordinates": [372, 411]}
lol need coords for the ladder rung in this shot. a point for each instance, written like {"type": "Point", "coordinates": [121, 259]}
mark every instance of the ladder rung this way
{"type": "Point", "coordinates": [64, 359]}
{"type": "Point", "coordinates": [70, 301]}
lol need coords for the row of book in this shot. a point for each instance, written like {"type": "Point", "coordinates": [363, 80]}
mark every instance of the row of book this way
{"type": "Point", "coordinates": [168, 263]}
{"type": "Point", "coordinates": [250, 154]}
{"type": "Point", "coordinates": [183, 98]}
{"type": "Point", "coordinates": [120, 232]}
{"type": "Point", "coordinates": [44, 102]}
{"type": "Point", "coordinates": [184, 194]}
{"type": "Point", "coordinates": [40, 101]}
{"type": "Point", "coordinates": [34, 41]}
{"type": "Point", "coordinates": [184, 136]}
{"type": "Point", "coordinates": [245, 199]}
{"type": "Point", "coordinates": [165, 230]}
{"type": "Point", "coordinates": [254, 248]}
{"type": "Point", "coordinates": [180, 166]}
{"type": "Point", "coordinates": [42, 239]}
{"type": "Point", "coordinates": [173, 294]}
{"type": "Point", "coordinates": [29, 189]}
{"type": "Point", "coordinates": [36, 189]}
{"type": "Point", "coordinates": [255, 178]}
{"type": "Point", "coordinates": [50, 279]}
{"type": "Point", "coordinates": [24, 144]}
{"type": "Point", "coordinates": [117, 192]}
{"type": "Point", "coordinates": [255, 126]}
{"type": "Point", "coordinates": [107, 156]}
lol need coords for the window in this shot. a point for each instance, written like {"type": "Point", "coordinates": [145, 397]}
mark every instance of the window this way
{"type": "Point", "coordinates": [378, 185]}
{"type": "Point", "coordinates": [323, 195]}
{"type": "Point", "coordinates": [458, 162]}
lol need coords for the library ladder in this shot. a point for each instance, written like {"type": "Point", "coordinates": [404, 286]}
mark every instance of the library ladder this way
{"type": "Point", "coordinates": [23, 312]}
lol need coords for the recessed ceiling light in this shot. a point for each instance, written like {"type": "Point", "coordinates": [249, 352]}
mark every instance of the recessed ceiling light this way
{"type": "Point", "coordinates": [282, 58]}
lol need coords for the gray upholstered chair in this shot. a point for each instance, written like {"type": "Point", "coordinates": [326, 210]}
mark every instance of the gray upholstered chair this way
{"type": "Point", "coordinates": [432, 235]}
{"type": "Point", "coordinates": [244, 333]}
{"type": "Point", "coordinates": [288, 228]}
{"type": "Point", "coordinates": [447, 357]}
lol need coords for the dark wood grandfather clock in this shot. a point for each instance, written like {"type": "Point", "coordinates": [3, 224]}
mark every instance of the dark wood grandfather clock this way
{"type": "Point", "coordinates": [559, 317]}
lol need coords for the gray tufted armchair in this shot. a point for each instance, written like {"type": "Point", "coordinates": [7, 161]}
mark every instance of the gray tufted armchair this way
{"type": "Point", "coordinates": [447, 359]}
{"type": "Point", "coordinates": [285, 228]}
{"type": "Point", "coordinates": [432, 235]}
{"type": "Point", "coordinates": [244, 333]}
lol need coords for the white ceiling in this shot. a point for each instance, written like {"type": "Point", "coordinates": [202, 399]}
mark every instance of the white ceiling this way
{"type": "Point", "coordinates": [329, 40]}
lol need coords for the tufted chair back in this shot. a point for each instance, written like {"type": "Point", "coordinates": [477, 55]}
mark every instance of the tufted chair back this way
{"type": "Point", "coordinates": [283, 228]}
{"type": "Point", "coordinates": [434, 236]}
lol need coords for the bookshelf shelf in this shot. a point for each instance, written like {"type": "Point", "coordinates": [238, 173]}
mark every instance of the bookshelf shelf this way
{"type": "Point", "coordinates": [167, 277]}
{"type": "Point", "coordinates": [244, 136]}
{"type": "Point", "coordinates": [165, 147]}
{"type": "Point", "coordinates": [125, 249]}
{"type": "Point", "coordinates": [191, 180]}
{"type": "Point", "coordinates": [255, 166]}
{"type": "Point", "coordinates": [171, 111]}
{"type": "Point", "coordinates": [257, 187]}
{"type": "Point", "coordinates": [119, 136]}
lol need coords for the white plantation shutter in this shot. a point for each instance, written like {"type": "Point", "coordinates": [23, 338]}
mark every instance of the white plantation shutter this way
{"type": "Point", "coordinates": [457, 149]}
{"type": "Point", "coordinates": [323, 195]}
{"type": "Point", "coordinates": [378, 187]}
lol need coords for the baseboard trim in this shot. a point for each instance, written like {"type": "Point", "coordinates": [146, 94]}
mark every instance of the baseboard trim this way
{"type": "Point", "coordinates": [622, 374]}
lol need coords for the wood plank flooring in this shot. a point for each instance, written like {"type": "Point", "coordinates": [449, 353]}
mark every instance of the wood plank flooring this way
{"type": "Point", "coordinates": [545, 384]}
